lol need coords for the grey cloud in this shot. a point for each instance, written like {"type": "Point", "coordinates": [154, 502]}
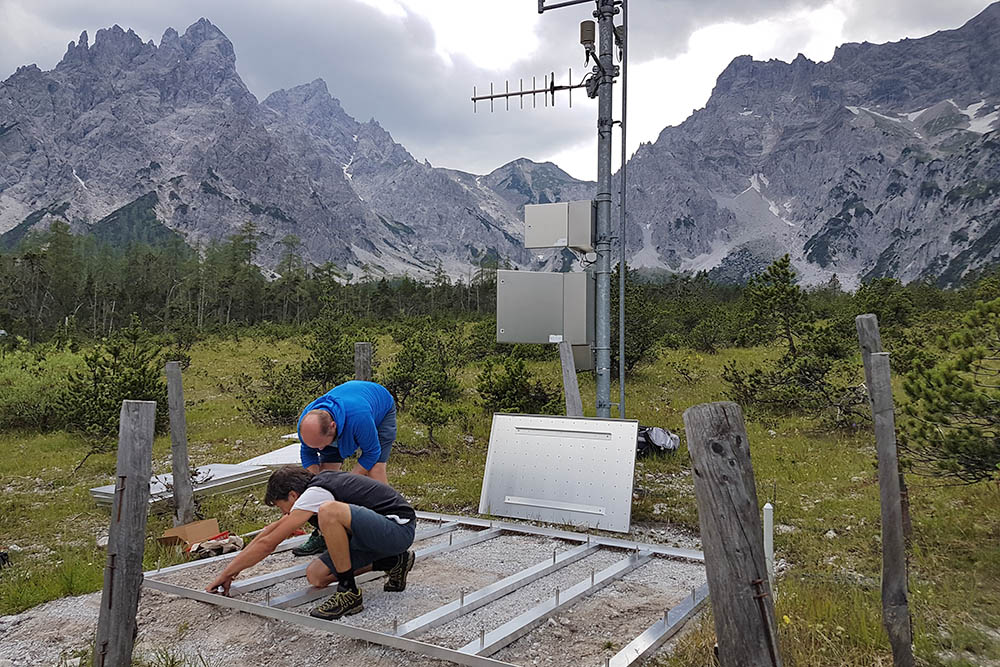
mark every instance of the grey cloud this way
{"type": "Point", "coordinates": [887, 19]}
{"type": "Point", "coordinates": [661, 28]}
{"type": "Point", "coordinates": [387, 68]}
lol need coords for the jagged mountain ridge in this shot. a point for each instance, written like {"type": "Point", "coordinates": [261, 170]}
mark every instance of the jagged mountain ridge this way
{"type": "Point", "coordinates": [173, 130]}
{"type": "Point", "coordinates": [878, 162]}
{"type": "Point", "coordinates": [883, 161]}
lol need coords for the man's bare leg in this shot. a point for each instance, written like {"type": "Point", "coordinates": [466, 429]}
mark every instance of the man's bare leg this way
{"type": "Point", "coordinates": [335, 523]}
{"type": "Point", "coordinates": [318, 573]}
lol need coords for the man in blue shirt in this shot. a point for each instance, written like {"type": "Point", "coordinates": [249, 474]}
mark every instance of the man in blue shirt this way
{"type": "Point", "coordinates": [353, 416]}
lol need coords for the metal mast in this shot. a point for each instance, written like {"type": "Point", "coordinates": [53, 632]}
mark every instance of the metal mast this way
{"type": "Point", "coordinates": [622, 170]}
{"type": "Point", "coordinates": [605, 71]}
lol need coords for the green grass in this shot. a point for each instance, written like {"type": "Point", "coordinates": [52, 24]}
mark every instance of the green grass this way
{"type": "Point", "coordinates": [829, 601]}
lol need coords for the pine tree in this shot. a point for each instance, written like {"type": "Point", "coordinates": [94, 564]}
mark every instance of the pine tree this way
{"type": "Point", "coordinates": [952, 425]}
{"type": "Point", "coordinates": [777, 303]}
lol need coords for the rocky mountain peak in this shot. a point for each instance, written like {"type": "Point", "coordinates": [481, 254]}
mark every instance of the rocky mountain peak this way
{"type": "Point", "coordinates": [988, 17]}
{"type": "Point", "coordinates": [205, 41]}
{"type": "Point", "coordinates": [309, 99]}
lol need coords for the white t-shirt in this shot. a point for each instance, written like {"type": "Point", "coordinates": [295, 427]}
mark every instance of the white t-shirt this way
{"type": "Point", "coordinates": [314, 496]}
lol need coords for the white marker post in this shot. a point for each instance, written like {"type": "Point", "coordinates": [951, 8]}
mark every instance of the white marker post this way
{"type": "Point", "coordinates": [769, 544]}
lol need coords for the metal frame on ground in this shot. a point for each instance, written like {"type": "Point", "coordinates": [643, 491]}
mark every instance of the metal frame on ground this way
{"type": "Point", "coordinates": [476, 653]}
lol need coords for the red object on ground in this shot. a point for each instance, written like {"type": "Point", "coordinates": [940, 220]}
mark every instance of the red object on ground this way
{"type": "Point", "coordinates": [224, 535]}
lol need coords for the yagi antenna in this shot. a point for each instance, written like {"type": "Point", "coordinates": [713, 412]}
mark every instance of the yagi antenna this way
{"type": "Point", "coordinates": [547, 91]}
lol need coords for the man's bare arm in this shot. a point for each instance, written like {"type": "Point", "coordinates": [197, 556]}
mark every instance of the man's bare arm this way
{"type": "Point", "coordinates": [260, 548]}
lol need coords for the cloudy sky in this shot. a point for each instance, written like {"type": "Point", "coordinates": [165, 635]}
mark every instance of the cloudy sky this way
{"type": "Point", "coordinates": [412, 64]}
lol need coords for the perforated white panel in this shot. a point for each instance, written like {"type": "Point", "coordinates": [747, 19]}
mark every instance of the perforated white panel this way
{"type": "Point", "coordinates": [572, 470]}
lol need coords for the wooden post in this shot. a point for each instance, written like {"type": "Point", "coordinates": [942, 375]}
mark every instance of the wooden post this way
{"type": "Point", "coordinates": [571, 387]}
{"type": "Point", "coordinates": [181, 468]}
{"type": "Point", "coordinates": [871, 343]}
{"type": "Point", "coordinates": [363, 361]}
{"type": "Point", "coordinates": [116, 625]}
{"type": "Point", "coordinates": [895, 606]}
{"type": "Point", "coordinates": [731, 536]}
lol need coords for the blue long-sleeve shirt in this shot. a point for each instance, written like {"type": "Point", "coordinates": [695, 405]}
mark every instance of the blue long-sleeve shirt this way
{"type": "Point", "coordinates": [357, 408]}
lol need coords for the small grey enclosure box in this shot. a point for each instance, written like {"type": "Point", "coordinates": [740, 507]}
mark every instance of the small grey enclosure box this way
{"type": "Point", "coordinates": [560, 225]}
{"type": "Point", "coordinates": [542, 307]}
{"type": "Point", "coordinates": [583, 357]}
{"type": "Point", "coordinates": [573, 470]}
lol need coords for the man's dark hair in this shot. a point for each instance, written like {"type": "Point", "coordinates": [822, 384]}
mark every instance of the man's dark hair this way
{"type": "Point", "coordinates": [285, 480]}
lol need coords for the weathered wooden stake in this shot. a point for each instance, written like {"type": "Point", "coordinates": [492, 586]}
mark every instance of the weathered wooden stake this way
{"type": "Point", "coordinates": [181, 468]}
{"type": "Point", "coordinates": [895, 605]}
{"type": "Point", "coordinates": [731, 536]}
{"type": "Point", "coordinates": [363, 361]}
{"type": "Point", "coordinates": [116, 625]}
{"type": "Point", "coordinates": [871, 343]}
{"type": "Point", "coordinates": [571, 387]}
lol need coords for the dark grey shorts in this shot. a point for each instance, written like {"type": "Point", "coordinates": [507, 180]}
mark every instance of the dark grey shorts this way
{"type": "Point", "coordinates": [372, 537]}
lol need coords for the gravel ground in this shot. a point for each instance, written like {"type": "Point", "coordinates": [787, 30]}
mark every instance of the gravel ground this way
{"type": "Point", "coordinates": [588, 631]}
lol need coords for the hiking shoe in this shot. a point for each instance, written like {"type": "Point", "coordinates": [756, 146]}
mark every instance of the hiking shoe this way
{"type": "Point", "coordinates": [341, 603]}
{"type": "Point", "coordinates": [314, 545]}
{"type": "Point", "coordinates": [397, 575]}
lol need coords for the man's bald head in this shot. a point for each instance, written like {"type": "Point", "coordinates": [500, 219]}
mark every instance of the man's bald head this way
{"type": "Point", "coordinates": [318, 430]}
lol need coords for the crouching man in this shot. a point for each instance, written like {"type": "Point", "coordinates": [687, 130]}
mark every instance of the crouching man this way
{"type": "Point", "coordinates": [365, 524]}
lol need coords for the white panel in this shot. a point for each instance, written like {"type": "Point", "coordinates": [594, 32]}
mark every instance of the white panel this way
{"type": "Point", "coordinates": [571, 470]}
{"type": "Point", "coordinates": [286, 456]}
{"type": "Point", "coordinates": [215, 477]}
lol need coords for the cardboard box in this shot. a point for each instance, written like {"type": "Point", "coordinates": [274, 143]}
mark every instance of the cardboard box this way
{"type": "Point", "coordinates": [190, 533]}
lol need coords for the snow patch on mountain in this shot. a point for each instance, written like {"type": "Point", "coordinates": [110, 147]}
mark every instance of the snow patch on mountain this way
{"type": "Point", "coordinates": [983, 124]}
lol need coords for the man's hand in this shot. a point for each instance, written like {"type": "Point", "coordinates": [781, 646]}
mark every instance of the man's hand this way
{"type": "Point", "coordinates": [223, 582]}
{"type": "Point", "coordinates": [358, 470]}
